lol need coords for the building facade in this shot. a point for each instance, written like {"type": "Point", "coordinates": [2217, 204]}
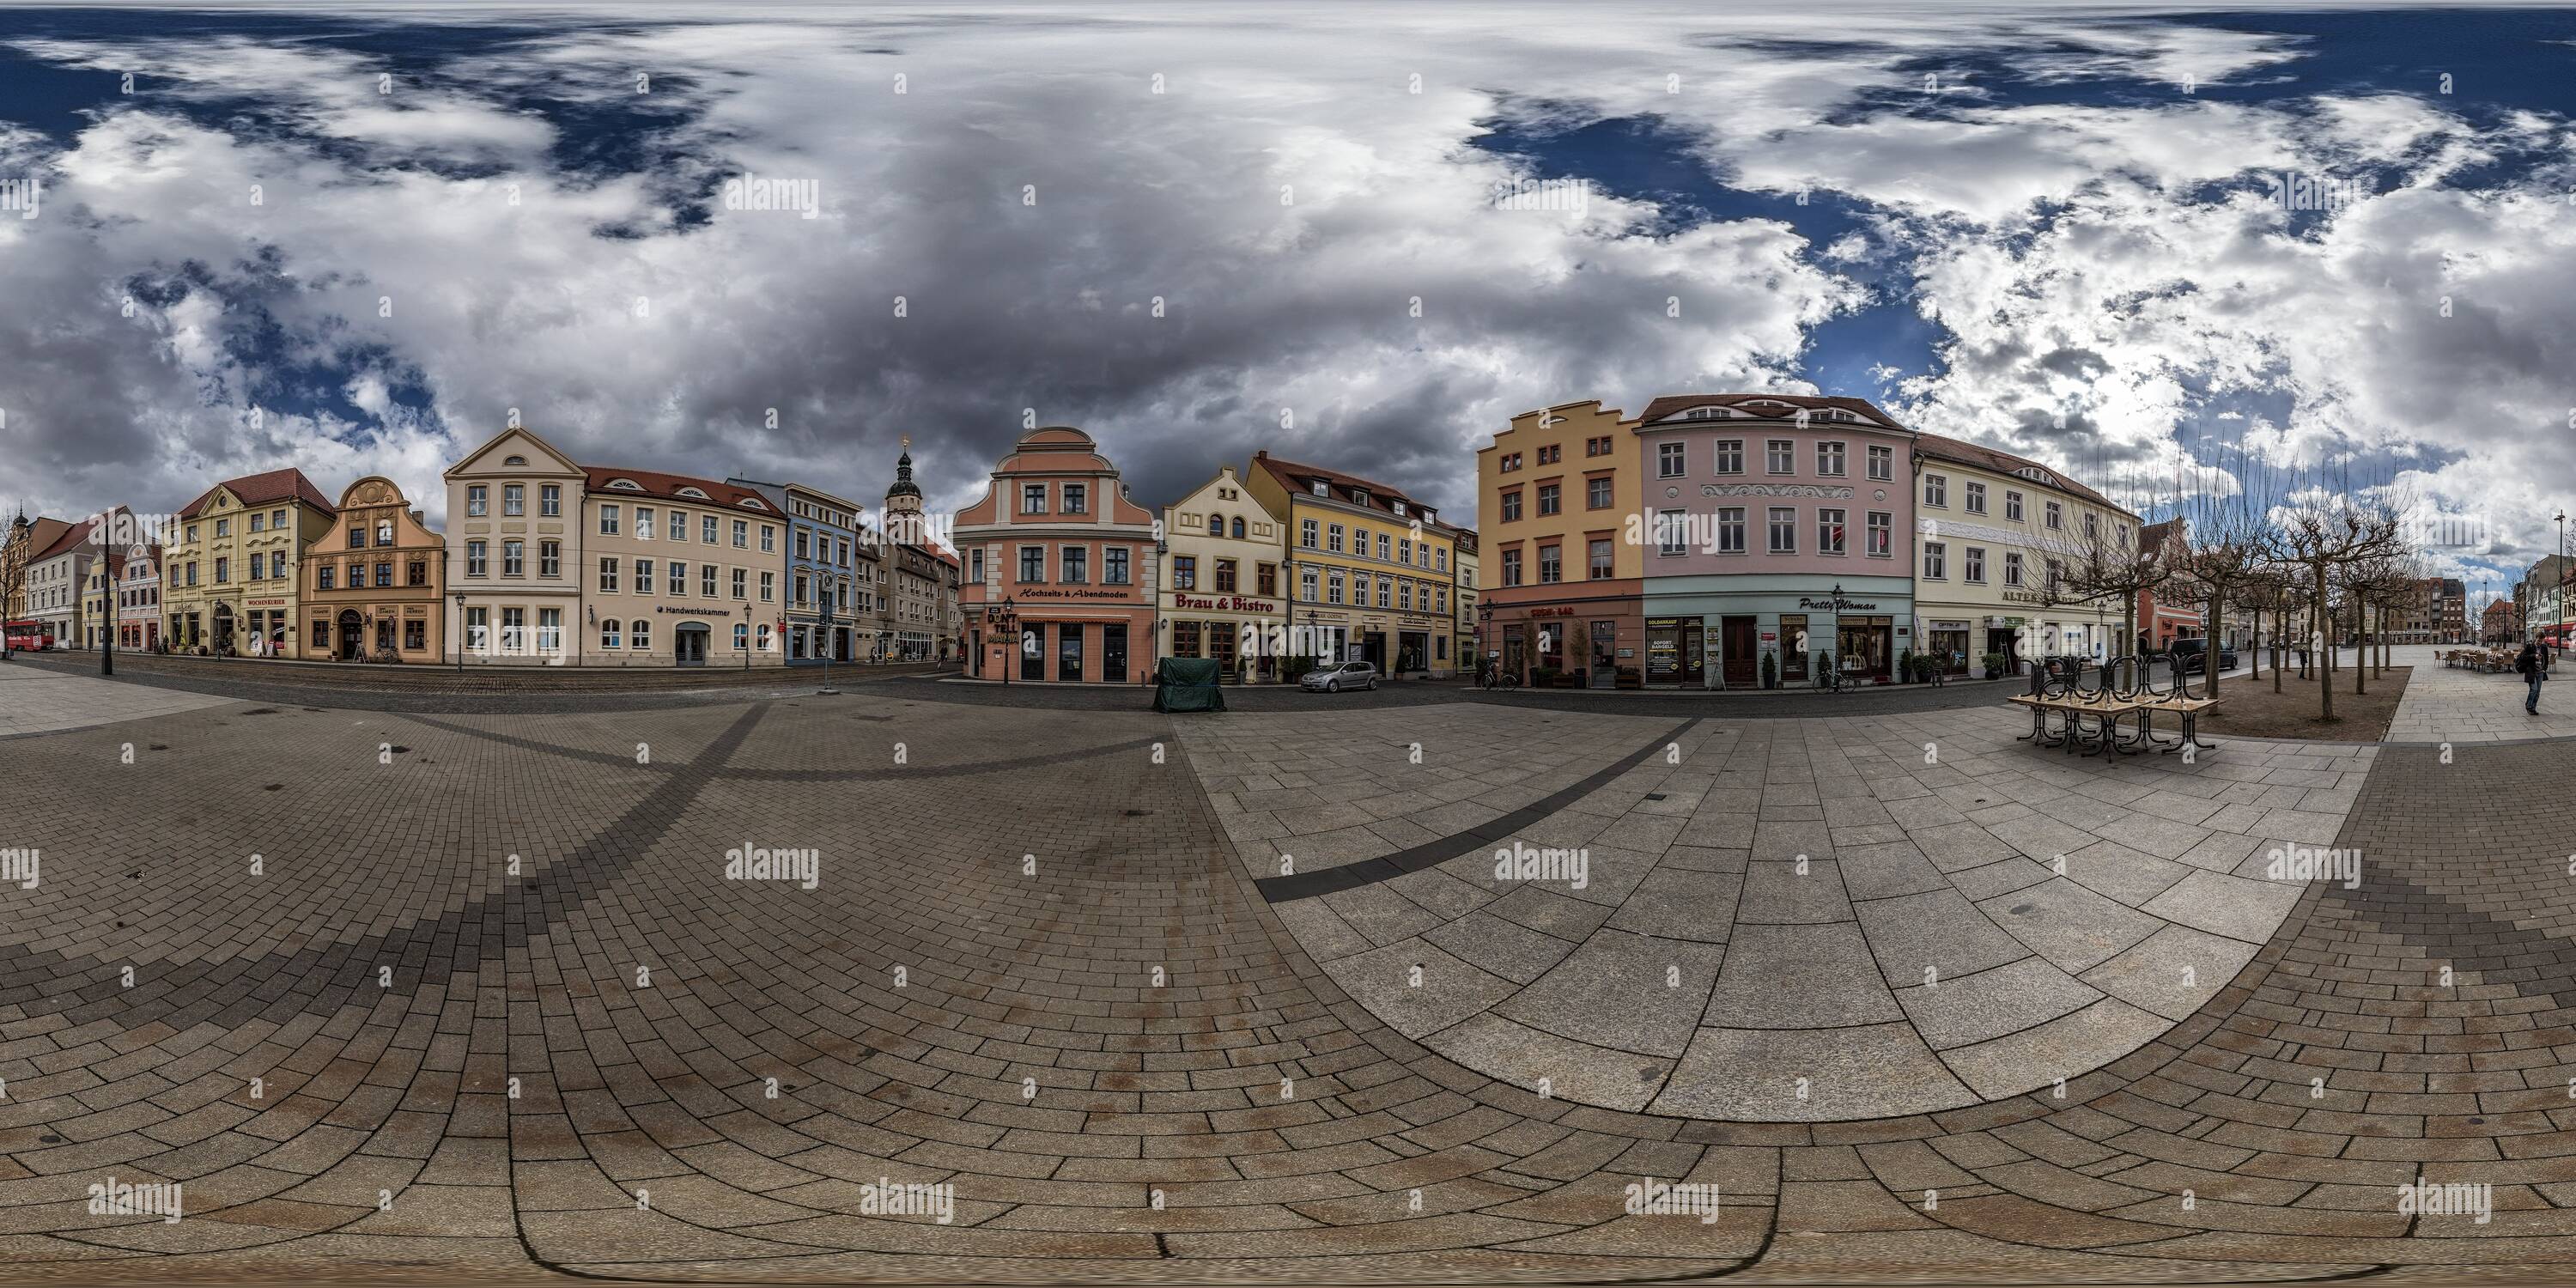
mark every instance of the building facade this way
{"type": "Point", "coordinates": [2164, 613]}
{"type": "Point", "coordinates": [1060, 567]}
{"type": "Point", "coordinates": [685, 571]}
{"type": "Point", "coordinates": [374, 583]}
{"type": "Point", "coordinates": [138, 599]}
{"type": "Point", "coordinates": [230, 585]}
{"type": "Point", "coordinates": [26, 539]}
{"type": "Point", "coordinates": [825, 616]}
{"type": "Point", "coordinates": [1776, 539]}
{"type": "Point", "coordinates": [1221, 584]}
{"type": "Point", "coordinates": [515, 572]}
{"type": "Point", "coordinates": [1371, 573]}
{"type": "Point", "coordinates": [58, 585]}
{"type": "Point", "coordinates": [1995, 530]}
{"type": "Point", "coordinates": [1563, 580]}
{"type": "Point", "coordinates": [1471, 648]}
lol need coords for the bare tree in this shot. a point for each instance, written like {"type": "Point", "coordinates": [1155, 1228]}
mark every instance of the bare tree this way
{"type": "Point", "coordinates": [2225, 552]}
{"type": "Point", "coordinates": [2323, 532]}
{"type": "Point", "coordinates": [17, 550]}
{"type": "Point", "coordinates": [2110, 565]}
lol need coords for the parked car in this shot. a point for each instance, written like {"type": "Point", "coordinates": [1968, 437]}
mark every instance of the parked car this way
{"type": "Point", "coordinates": [1333, 677]}
{"type": "Point", "coordinates": [2193, 656]}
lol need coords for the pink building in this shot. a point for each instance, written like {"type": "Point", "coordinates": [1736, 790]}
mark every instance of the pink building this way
{"type": "Point", "coordinates": [1060, 567]}
{"type": "Point", "coordinates": [1756, 508]}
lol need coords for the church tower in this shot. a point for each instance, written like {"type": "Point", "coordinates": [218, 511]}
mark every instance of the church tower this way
{"type": "Point", "coordinates": [903, 517]}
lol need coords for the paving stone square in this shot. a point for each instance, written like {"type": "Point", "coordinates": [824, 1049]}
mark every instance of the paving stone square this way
{"type": "Point", "coordinates": [508, 1015]}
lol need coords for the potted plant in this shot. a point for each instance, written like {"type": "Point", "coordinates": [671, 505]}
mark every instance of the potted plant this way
{"type": "Point", "coordinates": [1770, 670]}
{"type": "Point", "coordinates": [1630, 677]}
{"type": "Point", "coordinates": [1542, 677]}
{"type": "Point", "coordinates": [1995, 663]}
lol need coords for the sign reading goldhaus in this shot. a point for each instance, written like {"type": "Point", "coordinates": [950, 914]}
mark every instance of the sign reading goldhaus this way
{"type": "Point", "coordinates": [1227, 603]}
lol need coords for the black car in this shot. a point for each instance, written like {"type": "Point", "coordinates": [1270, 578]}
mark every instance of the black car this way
{"type": "Point", "coordinates": [2193, 656]}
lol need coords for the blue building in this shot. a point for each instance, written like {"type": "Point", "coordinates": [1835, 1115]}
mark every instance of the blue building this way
{"type": "Point", "coordinates": [821, 607]}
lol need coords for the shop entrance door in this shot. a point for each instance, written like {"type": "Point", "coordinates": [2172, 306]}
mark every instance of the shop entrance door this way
{"type": "Point", "coordinates": [1737, 653]}
{"type": "Point", "coordinates": [1605, 655]}
{"type": "Point", "coordinates": [1694, 655]}
{"type": "Point", "coordinates": [1113, 652]}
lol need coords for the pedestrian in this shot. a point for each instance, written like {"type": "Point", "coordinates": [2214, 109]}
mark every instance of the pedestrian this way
{"type": "Point", "coordinates": [2534, 665]}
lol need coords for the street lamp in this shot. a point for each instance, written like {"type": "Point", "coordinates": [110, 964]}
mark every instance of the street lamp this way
{"type": "Point", "coordinates": [823, 633]}
{"type": "Point", "coordinates": [106, 635]}
{"type": "Point", "coordinates": [460, 633]}
{"type": "Point", "coordinates": [1485, 635]}
{"type": "Point", "coordinates": [1005, 621]}
{"type": "Point", "coordinates": [746, 635]}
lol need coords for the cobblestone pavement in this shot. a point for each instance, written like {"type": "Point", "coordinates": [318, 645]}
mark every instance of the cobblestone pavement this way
{"type": "Point", "coordinates": [1046, 962]}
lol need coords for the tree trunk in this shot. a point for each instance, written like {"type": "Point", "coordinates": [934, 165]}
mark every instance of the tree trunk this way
{"type": "Point", "coordinates": [2209, 640]}
{"type": "Point", "coordinates": [2280, 622]}
{"type": "Point", "coordinates": [2325, 675]}
{"type": "Point", "coordinates": [2360, 646]}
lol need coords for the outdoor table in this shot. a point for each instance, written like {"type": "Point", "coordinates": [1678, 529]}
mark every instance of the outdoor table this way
{"type": "Point", "coordinates": [2106, 709]}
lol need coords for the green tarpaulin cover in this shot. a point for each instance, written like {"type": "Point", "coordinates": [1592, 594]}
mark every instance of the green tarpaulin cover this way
{"type": "Point", "coordinates": [1187, 684]}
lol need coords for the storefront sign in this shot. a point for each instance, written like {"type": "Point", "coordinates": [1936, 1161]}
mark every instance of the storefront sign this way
{"type": "Point", "coordinates": [1848, 605]}
{"type": "Point", "coordinates": [1062, 592]}
{"type": "Point", "coordinates": [2025, 597]}
{"type": "Point", "coordinates": [1552, 610]}
{"type": "Point", "coordinates": [1770, 636]}
{"type": "Point", "coordinates": [1228, 603]}
{"type": "Point", "coordinates": [267, 603]}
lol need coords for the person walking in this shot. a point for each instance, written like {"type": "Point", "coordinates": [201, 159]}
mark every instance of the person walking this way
{"type": "Point", "coordinates": [2534, 666]}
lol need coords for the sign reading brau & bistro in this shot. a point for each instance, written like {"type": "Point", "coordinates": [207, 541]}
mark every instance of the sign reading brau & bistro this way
{"type": "Point", "coordinates": [1225, 603]}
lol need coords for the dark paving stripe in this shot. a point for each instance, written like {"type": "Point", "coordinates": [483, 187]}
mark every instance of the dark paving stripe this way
{"type": "Point", "coordinates": [235, 992]}
{"type": "Point", "coordinates": [888, 773]}
{"type": "Point", "coordinates": [1351, 876]}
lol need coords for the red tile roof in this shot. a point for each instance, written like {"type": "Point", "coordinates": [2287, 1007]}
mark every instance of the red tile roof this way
{"type": "Point", "coordinates": [1964, 452]}
{"type": "Point", "coordinates": [1299, 478]}
{"type": "Point", "coordinates": [264, 489]}
{"type": "Point", "coordinates": [42, 533]}
{"type": "Point", "coordinates": [72, 535]}
{"type": "Point", "coordinates": [654, 483]}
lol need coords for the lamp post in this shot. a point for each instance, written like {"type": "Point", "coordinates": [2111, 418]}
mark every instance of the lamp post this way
{"type": "Point", "coordinates": [823, 633]}
{"type": "Point", "coordinates": [1485, 635]}
{"type": "Point", "coordinates": [746, 635]}
{"type": "Point", "coordinates": [460, 633]}
{"type": "Point", "coordinates": [107, 586]}
{"type": "Point", "coordinates": [1005, 621]}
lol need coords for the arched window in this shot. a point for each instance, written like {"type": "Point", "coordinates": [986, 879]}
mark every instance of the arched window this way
{"type": "Point", "coordinates": [1238, 527]}
{"type": "Point", "coordinates": [639, 634]}
{"type": "Point", "coordinates": [1216, 525]}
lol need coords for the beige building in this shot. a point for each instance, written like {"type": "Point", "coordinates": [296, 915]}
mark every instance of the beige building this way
{"type": "Point", "coordinates": [683, 572]}
{"type": "Point", "coordinates": [229, 581]}
{"type": "Point", "coordinates": [1991, 531]}
{"type": "Point", "coordinates": [1222, 593]}
{"type": "Point", "coordinates": [514, 572]}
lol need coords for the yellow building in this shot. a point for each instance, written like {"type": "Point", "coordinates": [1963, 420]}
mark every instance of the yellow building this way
{"type": "Point", "coordinates": [1372, 573]}
{"type": "Point", "coordinates": [230, 585]}
{"type": "Point", "coordinates": [1556, 495]}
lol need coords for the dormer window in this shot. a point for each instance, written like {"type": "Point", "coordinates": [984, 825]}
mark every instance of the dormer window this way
{"type": "Point", "coordinates": [1399, 508]}
{"type": "Point", "coordinates": [1323, 488]}
{"type": "Point", "coordinates": [1705, 413]}
{"type": "Point", "coordinates": [693, 492]}
{"type": "Point", "coordinates": [1360, 495]}
{"type": "Point", "coordinates": [626, 485]}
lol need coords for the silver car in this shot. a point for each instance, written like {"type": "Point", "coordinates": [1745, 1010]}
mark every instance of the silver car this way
{"type": "Point", "coordinates": [1333, 677]}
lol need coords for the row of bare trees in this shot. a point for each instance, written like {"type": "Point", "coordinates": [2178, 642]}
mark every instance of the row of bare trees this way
{"type": "Point", "coordinates": [2316, 561]}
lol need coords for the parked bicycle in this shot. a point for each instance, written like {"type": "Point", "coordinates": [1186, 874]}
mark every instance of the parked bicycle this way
{"type": "Point", "coordinates": [1495, 677]}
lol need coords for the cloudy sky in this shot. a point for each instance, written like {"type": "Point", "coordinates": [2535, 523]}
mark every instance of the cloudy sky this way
{"type": "Point", "coordinates": [355, 244]}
